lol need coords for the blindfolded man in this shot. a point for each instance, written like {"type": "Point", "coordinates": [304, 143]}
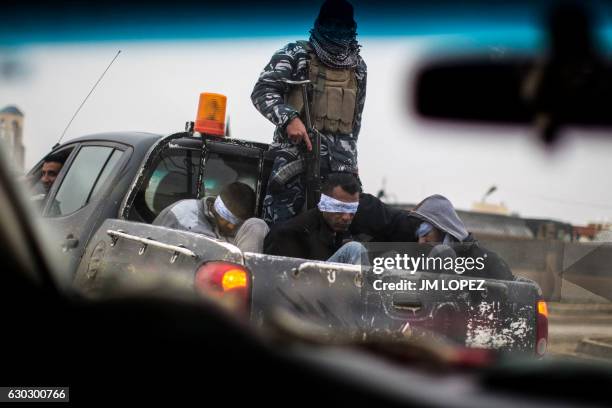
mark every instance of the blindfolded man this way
{"type": "Point", "coordinates": [322, 233]}
{"type": "Point", "coordinates": [229, 217]}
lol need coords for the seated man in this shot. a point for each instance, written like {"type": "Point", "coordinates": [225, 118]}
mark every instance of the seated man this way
{"type": "Point", "coordinates": [322, 233]}
{"type": "Point", "coordinates": [228, 217]}
{"type": "Point", "coordinates": [441, 227]}
{"type": "Point", "coordinates": [51, 167]}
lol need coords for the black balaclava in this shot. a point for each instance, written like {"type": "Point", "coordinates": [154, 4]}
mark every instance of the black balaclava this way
{"type": "Point", "coordinates": [334, 36]}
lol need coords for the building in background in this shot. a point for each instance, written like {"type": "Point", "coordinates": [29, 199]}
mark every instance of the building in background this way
{"type": "Point", "coordinates": [490, 208]}
{"type": "Point", "coordinates": [598, 232]}
{"type": "Point", "coordinates": [11, 134]}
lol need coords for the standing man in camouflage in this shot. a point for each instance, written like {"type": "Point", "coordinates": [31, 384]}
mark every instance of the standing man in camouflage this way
{"type": "Point", "coordinates": [331, 60]}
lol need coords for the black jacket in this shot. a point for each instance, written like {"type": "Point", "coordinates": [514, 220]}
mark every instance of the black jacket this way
{"type": "Point", "coordinates": [378, 222]}
{"type": "Point", "coordinates": [495, 266]}
{"type": "Point", "coordinates": [306, 236]}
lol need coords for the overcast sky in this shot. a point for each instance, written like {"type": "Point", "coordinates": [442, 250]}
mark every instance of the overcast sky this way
{"type": "Point", "coordinates": [154, 87]}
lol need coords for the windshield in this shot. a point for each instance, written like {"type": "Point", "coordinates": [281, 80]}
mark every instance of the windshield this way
{"type": "Point", "coordinates": [484, 216]}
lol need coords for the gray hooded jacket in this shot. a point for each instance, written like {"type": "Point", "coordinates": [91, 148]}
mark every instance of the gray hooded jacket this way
{"type": "Point", "coordinates": [439, 212]}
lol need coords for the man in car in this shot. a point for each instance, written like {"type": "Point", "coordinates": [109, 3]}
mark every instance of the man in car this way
{"type": "Point", "coordinates": [322, 233]}
{"type": "Point", "coordinates": [51, 167]}
{"type": "Point", "coordinates": [229, 217]}
{"type": "Point", "coordinates": [331, 61]}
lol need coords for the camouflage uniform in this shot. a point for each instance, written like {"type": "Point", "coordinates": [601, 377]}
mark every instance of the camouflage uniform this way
{"type": "Point", "coordinates": [338, 151]}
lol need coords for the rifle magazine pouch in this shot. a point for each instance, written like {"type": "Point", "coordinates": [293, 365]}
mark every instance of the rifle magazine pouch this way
{"type": "Point", "coordinates": [320, 105]}
{"type": "Point", "coordinates": [335, 100]}
{"type": "Point", "coordinates": [349, 101]}
{"type": "Point", "coordinates": [334, 108]}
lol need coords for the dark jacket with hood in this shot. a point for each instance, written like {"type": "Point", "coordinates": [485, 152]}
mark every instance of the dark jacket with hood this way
{"type": "Point", "coordinates": [440, 213]}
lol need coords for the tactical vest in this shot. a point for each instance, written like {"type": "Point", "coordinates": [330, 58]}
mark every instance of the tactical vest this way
{"type": "Point", "coordinates": [334, 97]}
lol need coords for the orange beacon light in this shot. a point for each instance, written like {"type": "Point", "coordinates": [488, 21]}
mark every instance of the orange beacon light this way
{"type": "Point", "coordinates": [210, 119]}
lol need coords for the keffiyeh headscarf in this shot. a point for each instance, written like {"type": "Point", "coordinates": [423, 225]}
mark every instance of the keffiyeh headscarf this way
{"type": "Point", "coordinates": [334, 35]}
{"type": "Point", "coordinates": [336, 46]}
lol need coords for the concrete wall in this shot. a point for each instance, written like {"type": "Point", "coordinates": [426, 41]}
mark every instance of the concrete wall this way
{"type": "Point", "coordinates": [580, 272]}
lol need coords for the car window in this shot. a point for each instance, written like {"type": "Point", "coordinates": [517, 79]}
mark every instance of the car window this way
{"type": "Point", "coordinates": [108, 169]}
{"type": "Point", "coordinates": [80, 180]}
{"type": "Point", "coordinates": [223, 169]}
{"type": "Point", "coordinates": [174, 178]}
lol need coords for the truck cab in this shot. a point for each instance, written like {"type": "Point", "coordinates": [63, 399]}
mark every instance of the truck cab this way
{"type": "Point", "coordinates": [133, 176]}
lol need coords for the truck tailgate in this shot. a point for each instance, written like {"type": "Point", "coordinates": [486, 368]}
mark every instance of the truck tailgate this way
{"type": "Point", "coordinates": [322, 292]}
{"type": "Point", "coordinates": [502, 316]}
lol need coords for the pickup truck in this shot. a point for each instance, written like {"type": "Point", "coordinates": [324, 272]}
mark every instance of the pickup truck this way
{"type": "Point", "coordinates": [113, 185]}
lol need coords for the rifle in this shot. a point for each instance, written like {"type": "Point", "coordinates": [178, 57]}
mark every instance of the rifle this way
{"type": "Point", "coordinates": [312, 158]}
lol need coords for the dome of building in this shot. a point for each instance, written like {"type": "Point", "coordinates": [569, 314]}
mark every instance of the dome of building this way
{"type": "Point", "coordinates": [12, 110]}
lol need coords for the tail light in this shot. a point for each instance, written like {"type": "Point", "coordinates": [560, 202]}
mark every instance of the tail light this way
{"type": "Point", "coordinates": [230, 283]}
{"type": "Point", "coordinates": [541, 327]}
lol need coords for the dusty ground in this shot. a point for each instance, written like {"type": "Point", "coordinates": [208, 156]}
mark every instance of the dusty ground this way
{"type": "Point", "coordinates": [570, 323]}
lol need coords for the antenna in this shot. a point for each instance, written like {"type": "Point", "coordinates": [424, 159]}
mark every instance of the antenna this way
{"type": "Point", "coordinates": [85, 100]}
